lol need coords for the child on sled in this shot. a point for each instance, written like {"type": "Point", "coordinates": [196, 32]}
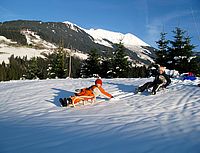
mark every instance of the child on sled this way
{"type": "Point", "coordinates": [161, 80]}
{"type": "Point", "coordinates": [86, 94]}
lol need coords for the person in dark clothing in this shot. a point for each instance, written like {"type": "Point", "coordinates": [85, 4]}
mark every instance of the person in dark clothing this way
{"type": "Point", "coordinates": [161, 80]}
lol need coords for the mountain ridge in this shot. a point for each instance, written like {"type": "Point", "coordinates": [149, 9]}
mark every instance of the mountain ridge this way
{"type": "Point", "coordinates": [70, 35]}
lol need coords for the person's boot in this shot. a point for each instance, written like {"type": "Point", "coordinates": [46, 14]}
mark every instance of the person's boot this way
{"type": "Point", "coordinates": [137, 90]}
{"type": "Point", "coordinates": [69, 101]}
{"type": "Point", "coordinates": [62, 102]}
{"type": "Point", "coordinates": [153, 92]}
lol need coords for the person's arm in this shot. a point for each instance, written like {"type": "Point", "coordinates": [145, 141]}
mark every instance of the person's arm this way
{"type": "Point", "coordinates": [168, 80]}
{"type": "Point", "coordinates": [156, 79]}
{"type": "Point", "coordinates": [102, 92]}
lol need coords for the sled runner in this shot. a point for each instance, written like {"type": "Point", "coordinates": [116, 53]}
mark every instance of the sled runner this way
{"type": "Point", "coordinates": [83, 99]}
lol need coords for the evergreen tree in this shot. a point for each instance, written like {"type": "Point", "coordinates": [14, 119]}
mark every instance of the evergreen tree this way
{"type": "Point", "coordinates": [33, 69]}
{"type": "Point", "coordinates": [180, 52]}
{"type": "Point", "coordinates": [91, 66]}
{"type": "Point", "coordinates": [76, 67]}
{"type": "Point", "coordinates": [143, 72]}
{"type": "Point", "coordinates": [105, 68]}
{"type": "Point", "coordinates": [194, 65]}
{"type": "Point", "coordinates": [120, 63]}
{"type": "Point", "coordinates": [138, 71]}
{"type": "Point", "coordinates": [57, 64]}
{"type": "Point", "coordinates": [42, 64]}
{"type": "Point", "coordinates": [36, 68]}
{"type": "Point", "coordinates": [162, 52]}
{"type": "Point", "coordinates": [15, 70]}
{"type": "Point", "coordinates": [3, 76]}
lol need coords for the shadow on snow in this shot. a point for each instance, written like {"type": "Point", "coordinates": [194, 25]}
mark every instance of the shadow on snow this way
{"type": "Point", "coordinates": [60, 93]}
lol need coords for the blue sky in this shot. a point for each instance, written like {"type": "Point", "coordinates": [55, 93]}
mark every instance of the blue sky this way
{"type": "Point", "coordinates": [143, 18]}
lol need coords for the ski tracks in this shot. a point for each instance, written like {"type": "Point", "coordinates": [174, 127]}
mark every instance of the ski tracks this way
{"type": "Point", "coordinates": [178, 103]}
{"type": "Point", "coordinates": [183, 103]}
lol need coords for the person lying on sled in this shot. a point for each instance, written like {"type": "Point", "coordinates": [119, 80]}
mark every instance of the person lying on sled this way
{"type": "Point", "coordinates": [161, 80]}
{"type": "Point", "coordinates": [93, 91]}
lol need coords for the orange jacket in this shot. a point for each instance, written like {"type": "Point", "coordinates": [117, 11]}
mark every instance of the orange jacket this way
{"type": "Point", "coordinates": [91, 91]}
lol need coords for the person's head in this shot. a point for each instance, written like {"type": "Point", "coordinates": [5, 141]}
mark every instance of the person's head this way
{"type": "Point", "coordinates": [98, 82]}
{"type": "Point", "coordinates": [161, 69]}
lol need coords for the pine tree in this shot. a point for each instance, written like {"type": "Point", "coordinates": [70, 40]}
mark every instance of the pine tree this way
{"type": "Point", "coordinates": [180, 51]}
{"type": "Point", "coordinates": [120, 63]}
{"type": "Point", "coordinates": [42, 65]}
{"type": "Point", "coordinates": [14, 68]}
{"type": "Point", "coordinates": [57, 64]}
{"type": "Point", "coordinates": [3, 71]}
{"type": "Point", "coordinates": [143, 72]}
{"type": "Point", "coordinates": [162, 53]}
{"type": "Point", "coordinates": [91, 66]}
{"type": "Point", "coordinates": [105, 68]}
{"type": "Point", "coordinates": [33, 69]}
{"type": "Point", "coordinates": [36, 68]}
{"type": "Point", "coordinates": [76, 67]}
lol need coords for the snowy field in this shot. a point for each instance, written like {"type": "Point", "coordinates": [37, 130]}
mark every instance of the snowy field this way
{"type": "Point", "coordinates": [32, 121]}
{"type": "Point", "coordinates": [6, 52]}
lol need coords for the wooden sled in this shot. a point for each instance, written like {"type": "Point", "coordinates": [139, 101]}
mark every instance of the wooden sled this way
{"type": "Point", "coordinates": [84, 100]}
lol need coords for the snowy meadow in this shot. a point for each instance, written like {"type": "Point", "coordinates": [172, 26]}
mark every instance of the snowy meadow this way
{"type": "Point", "coordinates": [32, 120]}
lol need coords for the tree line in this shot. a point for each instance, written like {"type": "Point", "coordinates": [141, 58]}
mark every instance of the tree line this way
{"type": "Point", "coordinates": [60, 64]}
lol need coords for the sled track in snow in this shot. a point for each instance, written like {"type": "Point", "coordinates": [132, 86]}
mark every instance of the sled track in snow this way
{"type": "Point", "coordinates": [138, 104]}
{"type": "Point", "coordinates": [166, 122]}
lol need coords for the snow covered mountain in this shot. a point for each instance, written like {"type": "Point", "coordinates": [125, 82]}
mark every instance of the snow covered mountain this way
{"type": "Point", "coordinates": [129, 41]}
{"type": "Point", "coordinates": [108, 38]}
{"type": "Point", "coordinates": [104, 37]}
{"type": "Point", "coordinates": [49, 35]}
{"type": "Point", "coordinates": [32, 121]}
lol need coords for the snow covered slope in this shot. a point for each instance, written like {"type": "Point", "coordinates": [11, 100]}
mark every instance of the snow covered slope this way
{"type": "Point", "coordinates": [35, 40]}
{"type": "Point", "coordinates": [7, 51]}
{"type": "Point", "coordinates": [8, 48]}
{"type": "Point", "coordinates": [32, 121]}
{"type": "Point", "coordinates": [103, 36]}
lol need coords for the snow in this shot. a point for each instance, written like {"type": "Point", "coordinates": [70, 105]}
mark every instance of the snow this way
{"type": "Point", "coordinates": [7, 48]}
{"type": "Point", "coordinates": [101, 36]}
{"type": "Point", "coordinates": [72, 26]}
{"type": "Point", "coordinates": [32, 121]}
{"type": "Point", "coordinates": [7, 51]}
{"type": "Point", "coordinates": [77, 53]}
{"type": "Point", "coordinates": [35, 40]}
{"type": "Point", "coordinates": [4, 39]}
{"type": "Point", "coordinates": [128, 39]}
{"type": "Point", "coordinates": [141, 52]}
